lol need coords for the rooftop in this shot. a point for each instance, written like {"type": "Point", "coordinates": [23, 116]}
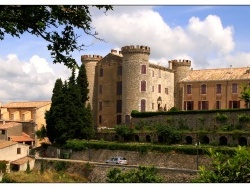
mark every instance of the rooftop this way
{"type": "Point", "coordinates": [4, 143]}
{"type": "Point", "coordinates": [22, 160]}
{"type": "Point", "coordinates": [9, 125]}
{"type": "Point", "coordinates": [218, 74]}
{"type": "Point", "coordinates": [33, 104]}
{"type": "Point", "coordinates": [23, 138]}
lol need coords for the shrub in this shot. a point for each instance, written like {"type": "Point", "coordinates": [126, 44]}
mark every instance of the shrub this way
{"type": "Point", "coordinates": [222, 118]}
{"type": "Point", "coordinates": [243, 118]}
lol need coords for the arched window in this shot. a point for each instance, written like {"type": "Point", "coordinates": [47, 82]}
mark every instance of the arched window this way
{"type": "Point", "coordinates": [143, 69]}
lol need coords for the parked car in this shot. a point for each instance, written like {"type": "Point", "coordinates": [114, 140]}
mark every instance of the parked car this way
{"type": "Point", "coordinates": [117, 160]}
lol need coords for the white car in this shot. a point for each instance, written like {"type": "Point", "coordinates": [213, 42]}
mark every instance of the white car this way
{"type": "Point", "coordinates": [117, 160]}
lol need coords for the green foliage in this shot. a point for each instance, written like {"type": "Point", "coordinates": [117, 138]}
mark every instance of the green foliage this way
{"type": "Point", "coordinates": [55, 24]}
{"type": "Point", "coordinates": [245, 94]}
{"type": "Point", "coordinates": [68, 117]}
{"type": "Point", "coordinates": [82, 82]}
{"type": "Point", "coordinates": [42, 133]}
{"type": "Point", "coordinates": [3, 166]}
{"type": "Point", "coordinates": [221, 117]}
{"type": "Point", "coordinates": [28, 168]}
{"type": "Point", "coordinates": [173, 109]}
{"type": "Point", "coordinates": [243, 118]}
{"type": "Point", "coordinates": [227, 168]}
{"type": "Point", "coordinates": [61, 166]}
{"type": "Point", "coordinates": [123, 130]}
{"type": "Point", "coordinates": [140, 175]}
{"type": "Point", "coordinates": [169, 133]}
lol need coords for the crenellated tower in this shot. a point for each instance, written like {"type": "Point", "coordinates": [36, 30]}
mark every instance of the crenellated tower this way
{"type": "Point", "coordinates": [90, 62]}
{"type": "Point", "coordinates": [181, 70]}
{"type": "Point", "coordinates": [133, 59]}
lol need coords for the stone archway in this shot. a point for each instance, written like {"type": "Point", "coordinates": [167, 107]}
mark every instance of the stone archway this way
{"type": "Point", "coordinates": [223, 141]}
{"type": "Point", "coordinates": [160, 139]}
{"type": "Point", "coordinates": [189, 140]}
{"type": "Point", "coordinates": [205, 140]}
{"type": "Point", "coordinates": [148, 138]}
{"type": "Point", "coordinates": [242, 141]}
{"type": "Point", "coordinates": [137, 138]}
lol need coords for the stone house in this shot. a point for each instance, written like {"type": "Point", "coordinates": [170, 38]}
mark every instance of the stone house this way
{"type": "Point", "coordinates": [30, 114]}
{"type": "Point", "coordinates": [13, 131]}
{"type": "Point", "coordinates": [16, 154]}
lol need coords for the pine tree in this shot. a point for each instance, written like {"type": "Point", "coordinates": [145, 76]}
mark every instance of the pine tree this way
{"type": "Point", "coordinates": [83, 84]}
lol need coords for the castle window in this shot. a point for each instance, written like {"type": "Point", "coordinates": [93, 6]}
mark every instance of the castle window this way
{"type": "Point", "coordinates": [234, 104]}
{"type": "Point", "coordinates": [119, 106]}
{"type": "Point", "coordinates": [100, 118]}
{"type": "Point", "coordinates": [119, 70]}
{"type": "Point", "coordinates": [188, 105]}
{"type": "Point", "coordinates": [153, 73]}
{"type": "Point", "coordinates": [101, 72]}
{"type": "Point", "coordinates": [119, 88]}
{"type": "Point", "coordinates": [218, 89]}
{"type": "Point", "coordinates": [166, 91]}
{"type": "Point", "coordinates": [153, 88]}
{"type": "Point", "coordinates": [189, 89]}
{"type": "Point", "coordinates": [119, 119]}
{"type": "Point", "coordinates": [203, 105]}
{"type": "Point", "coordinates": [143, 105]}
{"type": "Point", "coordinates": [100, 89]}
{"type": "Point", "coordinates": [159, 88]}
{"type": "Point", "coordinates": [234, 88]}
{"type": "Point", "coordinates": [127, 119]}
{"type": "Point", "coordinates": [143, 85]}
{"type": "Point", "coordinates": [203, 89]}
{"type": "Point", "coordinates": [159, 72]}
{"type": "Point", "coordinates": [100, 106]}
{"type": "Point", "coordinates": [3, 131]}
{"type": "Point", "coordinates": [143, 69]}
{"type": "Point", "coordinates": [153, 106]}
{"type": "Point", "coordinates": [18, 150]}
{"type": "Point", "coordinates": [11, 116]}
{"type": "Point", "coordinates": [218, 104]}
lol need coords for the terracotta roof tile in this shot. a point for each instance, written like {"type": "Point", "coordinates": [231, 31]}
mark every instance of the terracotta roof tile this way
{"type": "Point", "coordinates": [23, 138]}
{"type": "Point", "coordinates": [9, 125]}
{"type": "Point", "coordinates": [218, 74]}
{"type": "Point", "coordinates": [22, 160]}
{"type": "Point", "coordinates": [33, 104]}
{"type": "Point", "coordinates": [4, 143]}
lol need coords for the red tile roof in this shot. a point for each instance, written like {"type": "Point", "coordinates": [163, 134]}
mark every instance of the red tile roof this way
{"type": "Point", "coordinates": [242, 73]}
{"type": "Point", "coordinates": [4, 143]}
{"type": "Point", "coordinates": [33, 104]}
{"type": "Point", "coordinates": [23, 138]}
{"type": "Point", "coordinates": [9, 125]}
{"type": "Point", "coordinates": [22, 160]}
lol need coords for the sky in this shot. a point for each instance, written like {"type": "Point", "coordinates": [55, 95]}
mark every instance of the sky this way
{"type": "Point", "coordinates": [211, 36]}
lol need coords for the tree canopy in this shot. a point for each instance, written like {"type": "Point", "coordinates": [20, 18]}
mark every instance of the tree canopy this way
{"type": "Point", "coordinates": [69, 117]}
{"type": "Point", "coordinates": [226, 168]}
{"type": "Point", "coordinates": [141, 175]}
{"type": "Point", "coordinates": [46, 21]}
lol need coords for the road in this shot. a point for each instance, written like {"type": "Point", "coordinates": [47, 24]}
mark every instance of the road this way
{"type": "Point", "coordinates": [112, 165]}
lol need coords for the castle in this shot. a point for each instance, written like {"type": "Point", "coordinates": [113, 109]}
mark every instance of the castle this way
{"type": "Point", "coordinates": [125, 80]}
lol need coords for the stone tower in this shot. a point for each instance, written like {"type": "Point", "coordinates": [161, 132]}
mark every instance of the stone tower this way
{"type": "Point", "coordinates": [90, 62]}
{"type": "Point", "coordinates": [181, 70]}
{"type": "Point", "coordinates": [133, 58]}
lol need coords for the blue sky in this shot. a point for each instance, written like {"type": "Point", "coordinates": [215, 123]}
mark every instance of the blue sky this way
{"type": "Point", "coordinates": [211, 36]}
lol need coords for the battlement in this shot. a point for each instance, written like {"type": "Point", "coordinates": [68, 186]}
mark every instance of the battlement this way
{"type": "Point", "coordinates": [91, 57]}
{"type": "Point", "coordinates": [135, 49]}
{"type": "Point", "coordinates": [180, 62]}
{"type": "Point", "coordinates": [116, 52]}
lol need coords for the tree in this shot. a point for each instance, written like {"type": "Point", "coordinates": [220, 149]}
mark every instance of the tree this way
{"type": "Point", "coordinates": [82, 82]}
{"type": "Point", "coordinates": [226, 168]}
{"type": "Point", "coordinates": [245, 94]}
{"type": "Point", "coordinates": [140, 175]}
{"type": "Point", "coordinates": [54, 23]}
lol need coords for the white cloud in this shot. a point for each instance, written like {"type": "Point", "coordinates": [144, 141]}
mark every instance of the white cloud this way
{"type": "Point", "coordinates": [27, 81]}
{"type": "Point", "coordinates": [201, 41]}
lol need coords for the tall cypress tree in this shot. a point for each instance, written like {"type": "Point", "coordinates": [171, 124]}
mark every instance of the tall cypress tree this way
{"type": "Point", "coordinates": [56, 111]}
{"type": "Point", "coordinates": [83, 83]}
